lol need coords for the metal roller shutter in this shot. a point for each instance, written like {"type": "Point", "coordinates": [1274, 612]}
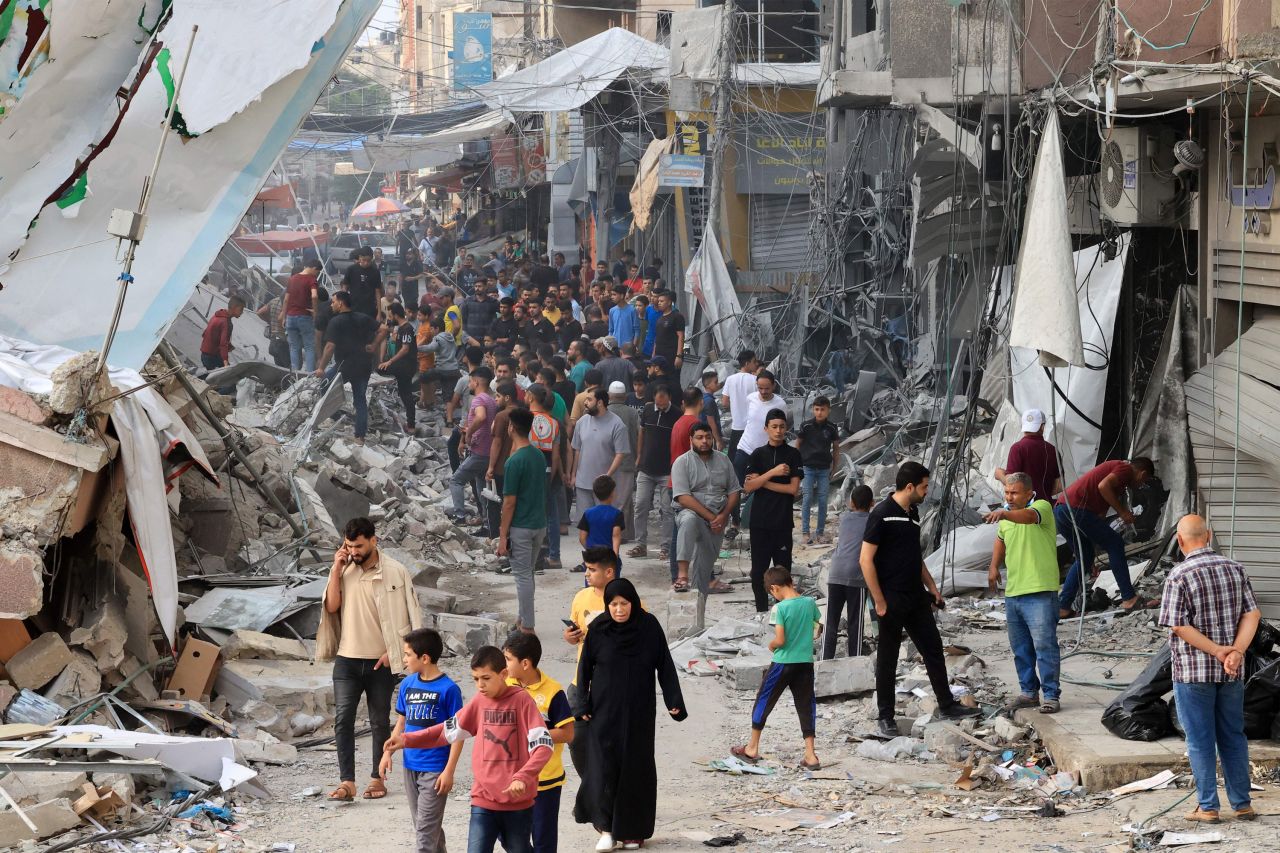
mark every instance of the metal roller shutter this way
{"type": "Point", "coordinates": [780, 233]}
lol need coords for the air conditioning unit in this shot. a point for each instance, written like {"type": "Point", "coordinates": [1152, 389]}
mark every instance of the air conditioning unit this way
{"type": "Point", "coordinates": [1137, 185]}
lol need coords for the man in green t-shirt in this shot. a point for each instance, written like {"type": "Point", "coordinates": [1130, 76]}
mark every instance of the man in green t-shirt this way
{"type": "Point", "coordinates": [524, 510]}
{"type": "Point", "coordinates": [796, 621]}
{"type": "Point", "coordinates": [1027, 543]}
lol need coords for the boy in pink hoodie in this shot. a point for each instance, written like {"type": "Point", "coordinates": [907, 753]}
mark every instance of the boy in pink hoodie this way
{"type": "Point", "coordinates": [512, 745]}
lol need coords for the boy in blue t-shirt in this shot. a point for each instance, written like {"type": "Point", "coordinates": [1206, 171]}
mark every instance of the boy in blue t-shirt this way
{"type": "Point", "coordinates": [601, 526]}
{"type": "Point", "coordinates": [427, 697]}
{"type": "Point", "coordinates": [796, 622]}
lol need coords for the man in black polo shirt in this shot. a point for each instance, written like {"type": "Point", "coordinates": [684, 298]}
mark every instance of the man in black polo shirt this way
{"type": "Point", "coordinates": [349, 341]}
{"type": "Point", "coordinates": [904, 594]}
{"type": "Point", "coordinates": [363, 281]}
{"type": "Point", "coordinates": [773, 481]}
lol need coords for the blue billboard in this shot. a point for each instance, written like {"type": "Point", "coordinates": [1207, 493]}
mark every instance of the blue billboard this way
{"type": "Point", "coordinates": [472, 49]}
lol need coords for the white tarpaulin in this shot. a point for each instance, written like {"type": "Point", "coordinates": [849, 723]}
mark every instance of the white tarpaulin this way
{"type": "Point", "coordinates": [1098, 282]}
{"type": "Point", "coordinates": [1045, 286]}
{"type": "Point", "coordinates": [149, 432]}
{"type": "Point", "coordinates": [575, 75]}
{"type": "Point", "coordinates": [204, 185]}
{"type": "Point", "coordinates": [708, 280]}
{"type": "Point", "coordinates": [410, 153]}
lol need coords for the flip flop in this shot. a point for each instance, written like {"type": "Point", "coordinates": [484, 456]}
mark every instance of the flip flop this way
{"type": "Point", "coordinates": [1050, 706]}
{"type": "Point", "coordinates": [717, 588]}
{"type": "Point", "coordinates": [680, 586]}
{"type": "Point", "coordinates": [375, 791]}
{"type": "Point", "coordinates": [344, 793]}
{"type": "Point", "coordinates": [815, 766]}
{"type": "Point", "coordinates": [741, 752]}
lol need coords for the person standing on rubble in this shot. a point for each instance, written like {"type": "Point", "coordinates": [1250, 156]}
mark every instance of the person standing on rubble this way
{"type": "Point", "coordinates": [1081, 516]}
{"type": "Point", "coordinates": [363, 283]}
{"type": "Point", "coordinates": [301, 298]}
{"type": "Point", "coordinates": [215, 344]}
{"type": "Point", "coordinates": [1027, 544]}
{"type": "Point", "coordinates": [1034, 456]}
{"type": "Point", "coordinates": [349, 342]}
{"type": "Point", "coordinates": [1209, 607]}
{"type": "Point", "coordinates": [401, 362]}
{"type": "Point", "coordinates": [600, 444]}
{"type": "Point", "coordinates": [905, 594]}
{"type": "Point", "coordinates": [773, 481]}
{"type": "Point", "coordinates": [369, 605]}
{"type": "Point", "coordinates": [477, 437]}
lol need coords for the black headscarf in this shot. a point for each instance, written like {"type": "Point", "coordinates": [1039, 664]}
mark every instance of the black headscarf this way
{"type": "Point", "coordinates": [627, 637]}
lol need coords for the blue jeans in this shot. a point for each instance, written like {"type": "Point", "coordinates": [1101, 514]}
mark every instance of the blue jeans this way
{"type": "Point", "coordinates": [819, 480]}
{"type": "Point", "coordinates": [470, 472]}
{"type": "Point", "coordinates": [1212, 715]}
{"type": "Point", "coordinates": [546, 819]}
{"type": "Point", "coordinates": [488, 826]}
{"type": "Point", "coordinates": [301, 331]}
{"type": "Point", "coordinates": [360, 395]}
{"type": "Point", "coordinates": [1094, 531]}
{"type": "Point", "coordinates": [1033, 635]}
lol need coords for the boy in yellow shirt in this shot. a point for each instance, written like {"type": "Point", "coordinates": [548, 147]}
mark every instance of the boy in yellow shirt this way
{"type": "Point", "coordinates": [523, 651]}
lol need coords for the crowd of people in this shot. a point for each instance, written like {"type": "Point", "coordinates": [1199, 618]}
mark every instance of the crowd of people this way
{"type": "Point", "coordinates": [564, 390]}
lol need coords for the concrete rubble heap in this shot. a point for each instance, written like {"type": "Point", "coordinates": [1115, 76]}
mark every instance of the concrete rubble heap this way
{"type": "Point", "coordinates": [88, 648]}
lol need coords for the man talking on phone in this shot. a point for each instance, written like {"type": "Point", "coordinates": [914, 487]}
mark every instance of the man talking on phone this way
{"type": "Point", "coordinates": [369, 605]}
{"type": "Point", "coordinates": [905, 595]}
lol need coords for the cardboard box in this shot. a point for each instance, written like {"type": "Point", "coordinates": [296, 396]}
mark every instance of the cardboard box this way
{"type": "Point", "coordinates": [197, 668]}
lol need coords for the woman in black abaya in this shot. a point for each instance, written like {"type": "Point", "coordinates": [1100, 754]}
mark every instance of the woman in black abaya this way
{"type": "Point", "coordinates": [625, 648]}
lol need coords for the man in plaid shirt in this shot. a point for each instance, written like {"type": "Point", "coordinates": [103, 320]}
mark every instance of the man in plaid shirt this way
{"type": "Point", "coordinates": [1209, 607]}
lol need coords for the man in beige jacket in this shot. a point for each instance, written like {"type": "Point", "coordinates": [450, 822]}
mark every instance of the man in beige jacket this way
{"type": "Point", "coordinates": [369, 605]}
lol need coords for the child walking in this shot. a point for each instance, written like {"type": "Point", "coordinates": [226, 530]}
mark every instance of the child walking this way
{"type": "Point", "coordinates": [523, 652]}
{"type": "Point", "coordinates": [796, 620]}
{"type": "Point", "coordinates": [512, 746]}
{"type": "Point", "coordinates": [846, 588]}
{"type": "Point", "coordinates": [427, 696]}
{"type": "Point", "coordinates": [601, 526]}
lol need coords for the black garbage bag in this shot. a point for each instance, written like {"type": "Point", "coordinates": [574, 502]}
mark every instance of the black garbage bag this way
{"type": "Point", "coordinates": [1141, 712]}
{"type": "Point", "coordinates": [1261, 697]}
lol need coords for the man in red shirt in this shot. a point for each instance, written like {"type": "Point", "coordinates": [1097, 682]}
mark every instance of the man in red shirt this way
{"type": "Point", "coordinates": [634, 282]}
{"type": "Point", "coordinates": [1035, 457]}
{"type": "Point", "coordinates": [299, 316]}
{"type": "Point", "coordinates": [1081, 518]}
{"type": "Point", "coordinates": [215, 344]}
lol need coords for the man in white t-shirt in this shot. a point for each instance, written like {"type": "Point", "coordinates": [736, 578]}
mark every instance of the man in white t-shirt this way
{"type": "Point", "coordinates": [737, 388]}
{"type": "Point", "coordinates": [759, 403]}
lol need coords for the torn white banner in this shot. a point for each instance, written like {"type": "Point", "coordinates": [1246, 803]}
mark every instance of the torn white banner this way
{"type": "Point", "coordinates": [707, 279]}
{"type": "Point", "coordinates": [202, 190]}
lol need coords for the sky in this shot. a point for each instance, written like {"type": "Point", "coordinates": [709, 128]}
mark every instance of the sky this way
{"type": "Point", "coordinates": [386, 18]}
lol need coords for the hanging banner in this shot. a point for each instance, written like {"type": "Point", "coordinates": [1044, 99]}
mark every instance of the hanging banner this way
{"type": "Point", "coordinates": [504, 162]}
{"type": "Point", "coordinates": [533, 158]}
{"type": "Point", "coordinates": [472, 49]}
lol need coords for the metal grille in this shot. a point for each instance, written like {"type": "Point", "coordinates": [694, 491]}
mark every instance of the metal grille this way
{"type": "Point", "coordinates": [780, 233]}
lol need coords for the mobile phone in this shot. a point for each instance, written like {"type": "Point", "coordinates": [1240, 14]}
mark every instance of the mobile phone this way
{"type": "Point", "coordinates": [569, 623]}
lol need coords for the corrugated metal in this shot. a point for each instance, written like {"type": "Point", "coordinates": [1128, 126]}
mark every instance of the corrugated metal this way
{"type": "Point", "coordinates": [1260, 271]}
{"type": "Point", "coordinates": [780, 233]}
{"type": "Point", "coordinates": [1254, 504]}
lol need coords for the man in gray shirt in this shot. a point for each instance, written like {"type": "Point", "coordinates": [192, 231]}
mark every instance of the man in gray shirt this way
{"type": "Point", "coordinates": [624, 494]}
{"type": "Point", "coordinates": [845, 584]}
{"type": "Point", "coordinates": [600, 444]}
{"type": "Point", "coordinates": [705, 487]}
{"type": "Point", "coordinates": [613, 367]}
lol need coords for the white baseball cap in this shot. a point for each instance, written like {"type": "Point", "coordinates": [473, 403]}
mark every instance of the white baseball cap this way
{"type": "Point", "coordinates": [617, 387]}
{"type": "Point", "coordinates": [1032, 420]}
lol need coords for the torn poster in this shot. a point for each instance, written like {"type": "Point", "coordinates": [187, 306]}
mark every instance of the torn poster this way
{"type": "Point", "coordinates": [204, 185]}
{"type": "Point", "coordinates": [708, 280]}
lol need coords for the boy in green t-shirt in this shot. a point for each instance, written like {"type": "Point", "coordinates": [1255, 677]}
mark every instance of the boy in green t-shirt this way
{"type": "Point", "coordinates": [796, 621]}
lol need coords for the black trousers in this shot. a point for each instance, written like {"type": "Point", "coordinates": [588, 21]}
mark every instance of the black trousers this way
{"type": "Point", "coordinates": [844, 597]}
{"type": "Point", "coordinates": [578, 746]}
{"type": "Point", "coordinates": [768, 548]}
{"type": "Point", "coordinates": [351, 678]}
{"type": "Point", "coordinates": [404, 389]}
{"type": "Point", "coordinates": [796, 677]}
{"type": "Point", "coordinates": [913, 614]}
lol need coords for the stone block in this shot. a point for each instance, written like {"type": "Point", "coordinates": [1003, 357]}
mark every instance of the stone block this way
{"type": "Point", "coordinates": [23, 405]}
{"type": "Point", "coordinates": [435, 600]}
{"type": "Point", "coordinates": [370, 457]}
{"type": "Point", "coordinates": [31, 787]}
{"type": "Point", "coordinates": [1007, 730]}
{"type": "Point", "coordinates": [288, 685]}
{"type": "Point", "coordinates": [744, 674]}
{"type": "Point", "coordinates": [51, 818]}
{"type": "Point", "coordinates": [682, 615]}
{"type": "Point", "coordinates": [21, 581]}
{"type": "Point", "coordinates": [264, 753]}
{"type": "Point", "coordinates": [942, 740]}
{"type": "Point", "coordinates": [472, 632]}
{"type": "Point", "coordinates": [257, 645]}
{"type": "Point", "coordinates": [844, 676]}
{"type": "Point", "coordinates": [264, 715]}
{"type": "Point", "coordinates": [40, 662]}
{"type": "Point", "coordinates": [79, 680]}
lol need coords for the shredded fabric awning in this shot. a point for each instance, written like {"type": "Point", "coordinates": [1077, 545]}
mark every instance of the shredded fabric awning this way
{"type": "Point", "coordinates": [410, 153]}
{"type": "Point", "coordinates": [275, 242]}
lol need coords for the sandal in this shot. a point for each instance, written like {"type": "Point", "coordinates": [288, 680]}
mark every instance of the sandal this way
{"type": "Point", "coordinates": [1050, 706]}
{"type": "Point", "coordinates": [638, 551]}
{"type": "Point", "coordinates": [718, 588]}
{"type": "Point", "coordinates": [344, 793]}
{"type": "Point", "coordinates": [376, 790]}
{"type": "Point", "coordinates": [1021, 702]}
{"type": "Point", "coordinates": [815, 766]}
{"type": "Point", "coordinates": [741, 752]}
{"type": "Point", "coordinates": [680, 585]}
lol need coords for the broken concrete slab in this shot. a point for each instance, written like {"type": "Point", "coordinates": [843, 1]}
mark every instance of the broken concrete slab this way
{"type": "Point", "coordinates": [246, 644]}
{"type": "Point", "coordinates": [844, 676]}
{"type": "Point", "coordinates": [436, 600]}
{"type": "Point", "coordinates": [745, 673]}
{"type": "Point", "coordinates": [264, 753]}
{"type": "Point", "coordinates": [31, 787]}
{"type": "Point", "coordinates": [288, 685]}
{"type": "Point", "coordinates": [103, 633]}
{"type": "Point", "coordinates": [40, 662]}
{"type": "Point", "coordinates": [472, 632]}
{"type": "Point", "coordinates": [341, 501]}
{"type": "Point", "coordinates": [315, 515]}
{"type": "Point", "coordinates": [79, 680]}
{"type": "Point", "coordinates": [50, 818]}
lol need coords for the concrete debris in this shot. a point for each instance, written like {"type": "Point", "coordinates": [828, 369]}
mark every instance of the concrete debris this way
{"type": "Point", "coordinates": [49, 818]}
{"type": "Point", "coordinates": [40, 662]}
{"type": "Point", "coordinates": [255, 644]}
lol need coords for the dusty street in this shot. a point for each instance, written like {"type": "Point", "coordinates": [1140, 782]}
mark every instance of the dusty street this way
{"type": "Point", "coordinates": [903, 806]}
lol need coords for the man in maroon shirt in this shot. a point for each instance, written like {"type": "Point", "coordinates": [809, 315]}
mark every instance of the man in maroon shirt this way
{"type": "Point", "coordinates": [300, 300]}
{"type": "Point", "coordinates": [1035, 457]}
{"type": "Point", "coordinates": [1081, 518]}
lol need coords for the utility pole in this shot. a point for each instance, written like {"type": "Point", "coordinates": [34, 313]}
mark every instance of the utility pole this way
{"type": "Point", "coordinates": [723, 117]}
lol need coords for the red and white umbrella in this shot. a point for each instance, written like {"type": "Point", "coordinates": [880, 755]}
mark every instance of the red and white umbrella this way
{"type": "Point", "coordinates": [375, 207]}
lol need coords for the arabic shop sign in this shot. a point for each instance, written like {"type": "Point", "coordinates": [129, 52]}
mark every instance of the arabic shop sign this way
{"type": "Point", "coordinates": [776, 156]}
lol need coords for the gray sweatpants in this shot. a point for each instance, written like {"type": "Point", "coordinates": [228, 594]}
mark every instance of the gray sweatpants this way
{"type": "Point", "coordinates": [426, 810]}
{"type": "Point", "coordinates": [525, 544]}
{"type": "Point", "coordinates": [648, 490]}
{"type": "Point", "coordinates": [699, 546]}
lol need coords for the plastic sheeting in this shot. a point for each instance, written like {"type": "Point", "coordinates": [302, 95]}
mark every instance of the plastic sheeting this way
{"type": "Point", "coordinates": [646, 184]}
{"type": "Point", "coordinates": [204, 185]}
{"type": "Point", "coordinates": [708, 280]}
{"type": "Point", "coordinates": [575, 75]}
{"type": "Point", "coordinates": [150, 432]}
{"type": "Point", "coordinates": [1098, 283]}
{"type": "Point", "coordinates": [404, 154]}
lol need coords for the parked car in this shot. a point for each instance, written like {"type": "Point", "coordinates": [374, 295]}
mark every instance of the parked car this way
{"type": "Point", "coordinates": [341, 247]}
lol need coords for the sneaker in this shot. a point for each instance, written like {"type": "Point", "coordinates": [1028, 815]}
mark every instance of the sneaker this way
{"type": "Point", "coordinates": [606, 842]}
{"type": "Point", "coordinates": [956, 711]}
{"type": "Point", "coordinates": [631, 845]}
{"type": "Point", "coordinates": [579, 569]}
{"type": "Point", "coordinates": [553, 563]}
{"type": "Point", "coordinates": [887, 728]}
